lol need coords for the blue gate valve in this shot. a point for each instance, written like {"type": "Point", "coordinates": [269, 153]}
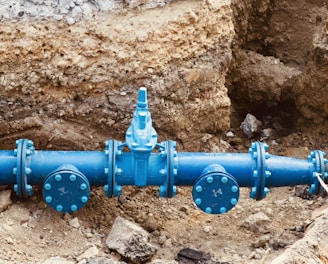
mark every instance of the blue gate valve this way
{"type": "Point", "coordinates": [141, 139]}
{"type": "Point", "coordinates": [67, 177]}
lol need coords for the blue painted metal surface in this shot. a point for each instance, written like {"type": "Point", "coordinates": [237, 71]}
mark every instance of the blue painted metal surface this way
{"type": "Point", "coordinates": [66, 181]}
{"type": "Point", "coordinates": [67, 176]}
{"type": "Point", "coordinates": [215, 191]}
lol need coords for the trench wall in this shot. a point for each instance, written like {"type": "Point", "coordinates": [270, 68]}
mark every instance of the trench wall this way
{"type": "Point", "coordinates": [65, 82]}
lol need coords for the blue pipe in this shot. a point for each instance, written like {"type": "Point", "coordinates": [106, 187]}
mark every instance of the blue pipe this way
{"type": "Point", "coordinates": [43, 162]}
{"type": "Point", "coordinates": [66, 177]}
{"type": "Point", "coordinates": [284, 171]}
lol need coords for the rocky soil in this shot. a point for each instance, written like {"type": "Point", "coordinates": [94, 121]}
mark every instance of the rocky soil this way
{"type": "Point", "coordinates": [69, 74]}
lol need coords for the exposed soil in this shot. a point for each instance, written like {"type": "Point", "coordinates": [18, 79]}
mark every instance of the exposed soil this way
{"type": "Point", "coordinates": [71, 85]}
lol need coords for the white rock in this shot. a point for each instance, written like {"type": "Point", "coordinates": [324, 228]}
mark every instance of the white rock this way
{"type": "Point", "coordinates": [77, 13]}
{"type": "Point", "coordinates": [74, 222]}
{"type": "Point", "coordinates": [207, 229]}
{"type": "Point", "coordinates": [70, 20]}
{"type": "Point", "coordinates": [89, 253]}
{"type": "Point", "coordinates": [87, 10]}
{"type": "Point", "coordinates": [130, 240]}
{"type": "Point", "coordinates": [258, 223]}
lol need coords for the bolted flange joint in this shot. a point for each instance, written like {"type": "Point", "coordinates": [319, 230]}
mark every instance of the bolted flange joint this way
{"type": "Point", "coordinates": [260, 172]}
{"type": "Point", "coordinates": [113, 151]}
{"type": "Point", "coordinates": [319, 162]}
{"type": "Point", "coordinates": [168, 189]}
{"type": "Point", "coordinates": [24, 151]}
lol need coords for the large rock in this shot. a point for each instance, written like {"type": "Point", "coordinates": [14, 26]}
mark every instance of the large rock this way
{"type": "Point", "coordinates": [312, 248]}
{"type": "Point", "coordinates": [130, 240]}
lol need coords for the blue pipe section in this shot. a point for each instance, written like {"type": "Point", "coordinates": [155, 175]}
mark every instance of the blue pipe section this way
{"type": "Point", "coordinates": [66, 177]}
{"type": "Point", "coordinates": [284, 171]}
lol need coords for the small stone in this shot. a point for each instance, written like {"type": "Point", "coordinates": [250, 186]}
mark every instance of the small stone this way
{"type": "Point", "coordinates": [70, 21]}
{"type": "Point", "coordinates": [77, 13]}
{"type": "Point", "coordinates": [269, 211]}
{"type": "Point", "coordinates": [280, 243]}
{"type": "Point", "coordinates": [262, 241]}
{"type": "Point", "coordinates": [230, 134]}
{"type": "Point", "coordinates": [150, 224]}
{"type": "Point", "coordinates": [90, 252]}
{"type": "Point", "coordinates": [258, 223]}
{"type": "Point", "coordinates": [168, 243]}
{"type": "Point", "coordinates": [188, 255]}
{"type": "Point", "coordinates": [74, 222]}
{"type": "Point", "coordinates": [207, 229]}
{"type": "Point", "coordinates": [89, 235]}
{"type": "Point", "coordinates": [185, 209]}
{"type": "Point", "coordinates": [42, 205]}
{"type": "Point", "coordinates": [161, 239]}
{"type": "Point", "coordinates": [9, 240]}
{"type": "Point", "coordinates": [302, 191]}
{"type": "Point", "coordinates": [268, 133]}
{"type": "Point", "coordinates": [5, 199]}
{"type": "Point", "coordinates": [251, 126]}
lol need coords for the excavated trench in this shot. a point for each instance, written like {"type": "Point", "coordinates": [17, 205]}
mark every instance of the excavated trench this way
{"type": "Point", "coordinates": [69, 76]}
{"type": "Point", "coordinates": [275, 64]}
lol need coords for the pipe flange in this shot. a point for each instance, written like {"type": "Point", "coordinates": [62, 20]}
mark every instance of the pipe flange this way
{"type": "Point", "coordinates": [172, 168]}
{"type": "Point", "coordinates": [317, 158]}
{"type": "Point", "coordinates": [109, 147]}
{"type": "Point", "coordinates": [259, 154]}
{"type": "Point", "coordinates": [168, 189]}
{"type": "Point", "coordinates": [24, 150]}
{"type": "Point", "coordinates": [113, 150]}
{"type": "Point", "coordinates": [215, 191]}
{"type": "Point", "coordinates": [66, 189]}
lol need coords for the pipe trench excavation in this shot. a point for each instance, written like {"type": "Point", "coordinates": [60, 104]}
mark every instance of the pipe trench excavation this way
{"type": "Point", "coordinates": [67, 176]}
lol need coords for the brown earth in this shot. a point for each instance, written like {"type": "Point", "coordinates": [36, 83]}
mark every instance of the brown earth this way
{"type": "Point", "coordinates": [206, 65]}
